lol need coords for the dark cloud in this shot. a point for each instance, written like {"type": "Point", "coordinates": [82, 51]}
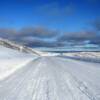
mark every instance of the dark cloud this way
{"type": "Point", "coordinates": [38, 32]}
{"type": "Point", "coordinates": [41, 43]}
{"type": "Point", "coordinates": [30, 36]}
{"type": "Point", "coordinates": [41, 37]}
{"type": "Point", "coordinates": [7, 33]}
{"type": "Point", "coordinates": [37, 42]}
{"type": "Point", "coordinates": [80, 37]}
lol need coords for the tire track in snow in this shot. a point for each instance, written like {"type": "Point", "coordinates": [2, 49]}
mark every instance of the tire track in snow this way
{"type": "Point", "coordinates": [17, 81]}
{"type": "Point", "coordinates": [79, 84]}
{"type": "Point", "coordinates": [45, 79]}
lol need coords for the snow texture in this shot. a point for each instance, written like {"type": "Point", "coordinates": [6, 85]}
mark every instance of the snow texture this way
{"type": "Point", "coordinates": [53, 78]}
{"type": "Point", "coordinates": [11, 60]}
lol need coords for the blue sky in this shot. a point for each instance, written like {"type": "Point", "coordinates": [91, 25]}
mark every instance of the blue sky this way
{"type": "Point", "coordinates": [55, 15]}
{"type": "Point", "coordinates": [65, 15]}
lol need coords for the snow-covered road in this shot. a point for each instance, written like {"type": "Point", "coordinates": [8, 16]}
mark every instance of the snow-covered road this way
{"type": "Point", "coordinates": [53, 78]}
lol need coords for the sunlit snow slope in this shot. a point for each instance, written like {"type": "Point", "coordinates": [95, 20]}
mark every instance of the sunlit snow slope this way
{"type": "Point", "coordinates": [11, 60]}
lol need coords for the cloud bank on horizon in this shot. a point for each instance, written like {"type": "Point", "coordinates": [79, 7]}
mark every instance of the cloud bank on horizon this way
{"type": "Point", "coordinates": [42, 37]}
{"type": "Point", "coordinates": [51, 23]}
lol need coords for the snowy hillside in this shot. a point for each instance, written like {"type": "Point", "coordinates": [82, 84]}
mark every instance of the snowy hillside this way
{"type": "Point", "coordinates": [11, 60]}
{"type": "Point", "coordinates": [15, 46]}
{"type": "Point", "coordinates": [86, 56]}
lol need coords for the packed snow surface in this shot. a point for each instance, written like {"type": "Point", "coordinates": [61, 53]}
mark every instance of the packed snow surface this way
{"type": "Point", "coordinates": [53, 78]}
{"type": "Point", "coordinates": [11, 60]}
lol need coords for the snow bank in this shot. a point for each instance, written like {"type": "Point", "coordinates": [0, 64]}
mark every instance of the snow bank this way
{"type": "Point", "coordinates": [11, 60]}
{"type": "Point", "coordinates": [86, 56]}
